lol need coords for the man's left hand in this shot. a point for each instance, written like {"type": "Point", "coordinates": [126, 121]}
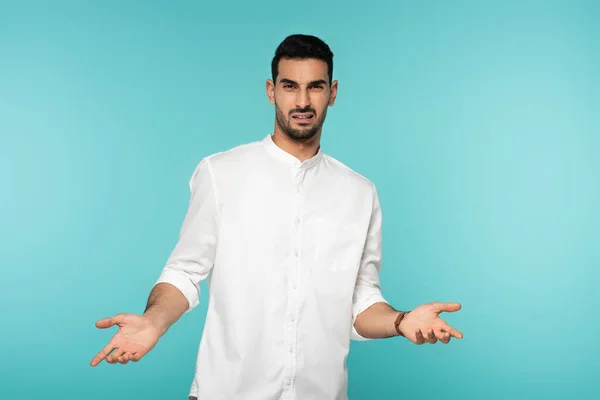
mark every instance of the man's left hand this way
{"type": "Point", "coordinates": [423, 324]}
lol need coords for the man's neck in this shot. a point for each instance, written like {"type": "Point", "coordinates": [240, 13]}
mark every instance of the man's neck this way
{"type": "Point", "coordinates": [301, 150]}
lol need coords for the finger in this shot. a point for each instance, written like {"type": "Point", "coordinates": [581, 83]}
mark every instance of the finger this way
{"type": "Point", "coordinates": [102, 354]}
{"type": "Point", "coordinates": [442, 336]}
{"type": "Point", "coordinates": [110, 321]}
{"type": "Point", "coordinates": [420, 338]}
{"type": "Point", "coordinates": [446, 307]}
{"type": "Point", "coordinates": [431, 336]}
{"type": "Point", "coordinates": [456, 333]}
{"type": "Point", "coordinates": [113, 358]}
{"type": "Point", "coordinates": [124, 359]}
{"type": "Point", "coordinates": [453, 332]}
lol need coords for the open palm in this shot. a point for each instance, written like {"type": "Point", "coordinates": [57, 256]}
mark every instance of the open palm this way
{"type": "Point", "coordinates": [423, 324]}
{"type": "Point", "coordinates": [137, 335]}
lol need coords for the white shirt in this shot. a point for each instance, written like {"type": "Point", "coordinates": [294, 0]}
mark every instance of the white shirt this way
{"type": "Point", "coordinates": [291, 252]}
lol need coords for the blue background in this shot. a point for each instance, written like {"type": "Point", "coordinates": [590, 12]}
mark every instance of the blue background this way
{"type": "Point", "coordinates": [477, 120]}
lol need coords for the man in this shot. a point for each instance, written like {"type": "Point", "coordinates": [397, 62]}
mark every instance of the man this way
{"type": "Point", "coordinates": [289, 240]}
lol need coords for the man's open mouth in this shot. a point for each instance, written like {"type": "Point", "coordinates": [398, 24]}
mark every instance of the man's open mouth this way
{"type": "Point", "coordinates": [302, 117]}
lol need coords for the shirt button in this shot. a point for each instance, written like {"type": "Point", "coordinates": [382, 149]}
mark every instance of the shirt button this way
{"type": "Point", "coordinates": [294, 286]}
{"type": "Point", "coordinates": [296, 254]}
{"type": "Point", "coordinates": [292, 318]}
{"type": "Point", "coordinates": [297, 220]}
{"type": "Point", "coordinates": [291, 349]}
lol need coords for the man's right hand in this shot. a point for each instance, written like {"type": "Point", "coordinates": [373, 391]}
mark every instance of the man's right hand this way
{"type": "Point", "coordinates": [137, 335]}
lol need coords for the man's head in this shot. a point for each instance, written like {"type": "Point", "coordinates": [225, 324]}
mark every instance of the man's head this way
{"type": "Point", "coordinates": [302, 86]}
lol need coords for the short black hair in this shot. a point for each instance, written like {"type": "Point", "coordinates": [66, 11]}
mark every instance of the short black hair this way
{"type": "Point", "coordinates": [300, 47]}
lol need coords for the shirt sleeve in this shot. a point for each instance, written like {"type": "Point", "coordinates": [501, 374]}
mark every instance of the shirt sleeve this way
{"type": "Point", "coordinates": [367, 290]}
{"type": "Point", "coordinates": [193, 256]}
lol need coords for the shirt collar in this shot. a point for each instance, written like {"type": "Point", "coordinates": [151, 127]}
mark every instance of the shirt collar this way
{"type": "Point", "coordinates": [287, 157]}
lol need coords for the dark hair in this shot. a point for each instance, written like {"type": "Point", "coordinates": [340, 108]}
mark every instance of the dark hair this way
{"type": "Point", "coordinates": [300, 47]}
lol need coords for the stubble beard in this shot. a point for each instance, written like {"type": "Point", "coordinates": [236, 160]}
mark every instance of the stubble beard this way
{"type": "Point", "coordinates": [299, 135]}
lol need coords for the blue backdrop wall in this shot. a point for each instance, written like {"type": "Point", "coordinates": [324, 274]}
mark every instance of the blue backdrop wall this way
{"type": "Point", "coordinates": [477, 121]}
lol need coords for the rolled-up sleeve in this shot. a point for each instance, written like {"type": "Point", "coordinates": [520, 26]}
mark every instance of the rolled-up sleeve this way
{"type": "Point", "coordinates": [368, 290]}
{"type": "Point", "coordinates": [193, 256]}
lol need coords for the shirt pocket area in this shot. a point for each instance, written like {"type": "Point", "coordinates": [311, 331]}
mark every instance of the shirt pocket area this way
{"type": "Point", "coordinates": [339, 244]}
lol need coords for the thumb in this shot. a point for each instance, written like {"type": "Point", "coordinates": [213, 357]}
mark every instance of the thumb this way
{"type": "Point", "coordinates": [110, 321]}
{"type": "Point", "coordinates": [446, 307]}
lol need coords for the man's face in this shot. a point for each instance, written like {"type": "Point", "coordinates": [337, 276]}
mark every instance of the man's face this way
{"type": "Point", "coordinates": [301, 96]}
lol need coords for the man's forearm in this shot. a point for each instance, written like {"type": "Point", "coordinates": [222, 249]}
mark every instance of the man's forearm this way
{"type": "Point", "coordinates": [377, 322]}
{"type": "Point", "coordinates": [166, 304]}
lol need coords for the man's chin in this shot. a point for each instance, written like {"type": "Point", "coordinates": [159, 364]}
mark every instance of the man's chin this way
{"type": "Point", "coordinates": [302, 135]}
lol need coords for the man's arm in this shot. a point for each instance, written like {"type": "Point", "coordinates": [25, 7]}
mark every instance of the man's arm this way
{"type": "Point", "coordinates": [420, 325]}
{"type": "Point", "coordinates": [166, 304]}
{"type": "Point", "coordinates": [374, 318]}
{"type": "Point", "coordinates": [177, 290]}
{"type": "Point", "coordinates": [193, 257]}
{"type": "Point", "coordinates": [377, 322]}
{"type": "Point", "coordinates": [370, 311]}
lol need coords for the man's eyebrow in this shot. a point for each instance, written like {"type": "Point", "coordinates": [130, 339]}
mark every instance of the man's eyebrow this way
{"type": "Point", "coordinates": [285, 80]}
{"type": "Point", "coordinates": [317, 82]}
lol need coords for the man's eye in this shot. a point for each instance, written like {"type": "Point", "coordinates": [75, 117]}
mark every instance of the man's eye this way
{"type": "Point", "coordinates": [317, 87]}
{"type": "Point", "coordinates": [288, 86]}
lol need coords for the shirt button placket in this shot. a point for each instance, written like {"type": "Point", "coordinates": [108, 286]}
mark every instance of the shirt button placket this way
{"type": "Point", "coordinates": [294, 274]}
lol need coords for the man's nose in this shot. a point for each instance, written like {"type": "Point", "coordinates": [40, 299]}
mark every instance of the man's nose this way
{"type": "Point", "coordinates": [302, 99]}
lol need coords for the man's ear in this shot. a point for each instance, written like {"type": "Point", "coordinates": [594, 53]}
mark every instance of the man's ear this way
{"type": "Point", "coordinates": [270, 86]}
{"type": "Point", "coordinates": [333, 92]}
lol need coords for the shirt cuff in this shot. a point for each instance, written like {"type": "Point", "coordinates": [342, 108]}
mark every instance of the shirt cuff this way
{"type": "Point", "coordinates": [360, 307]}
{"type": "Point", "coordinates": [181, 282]}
